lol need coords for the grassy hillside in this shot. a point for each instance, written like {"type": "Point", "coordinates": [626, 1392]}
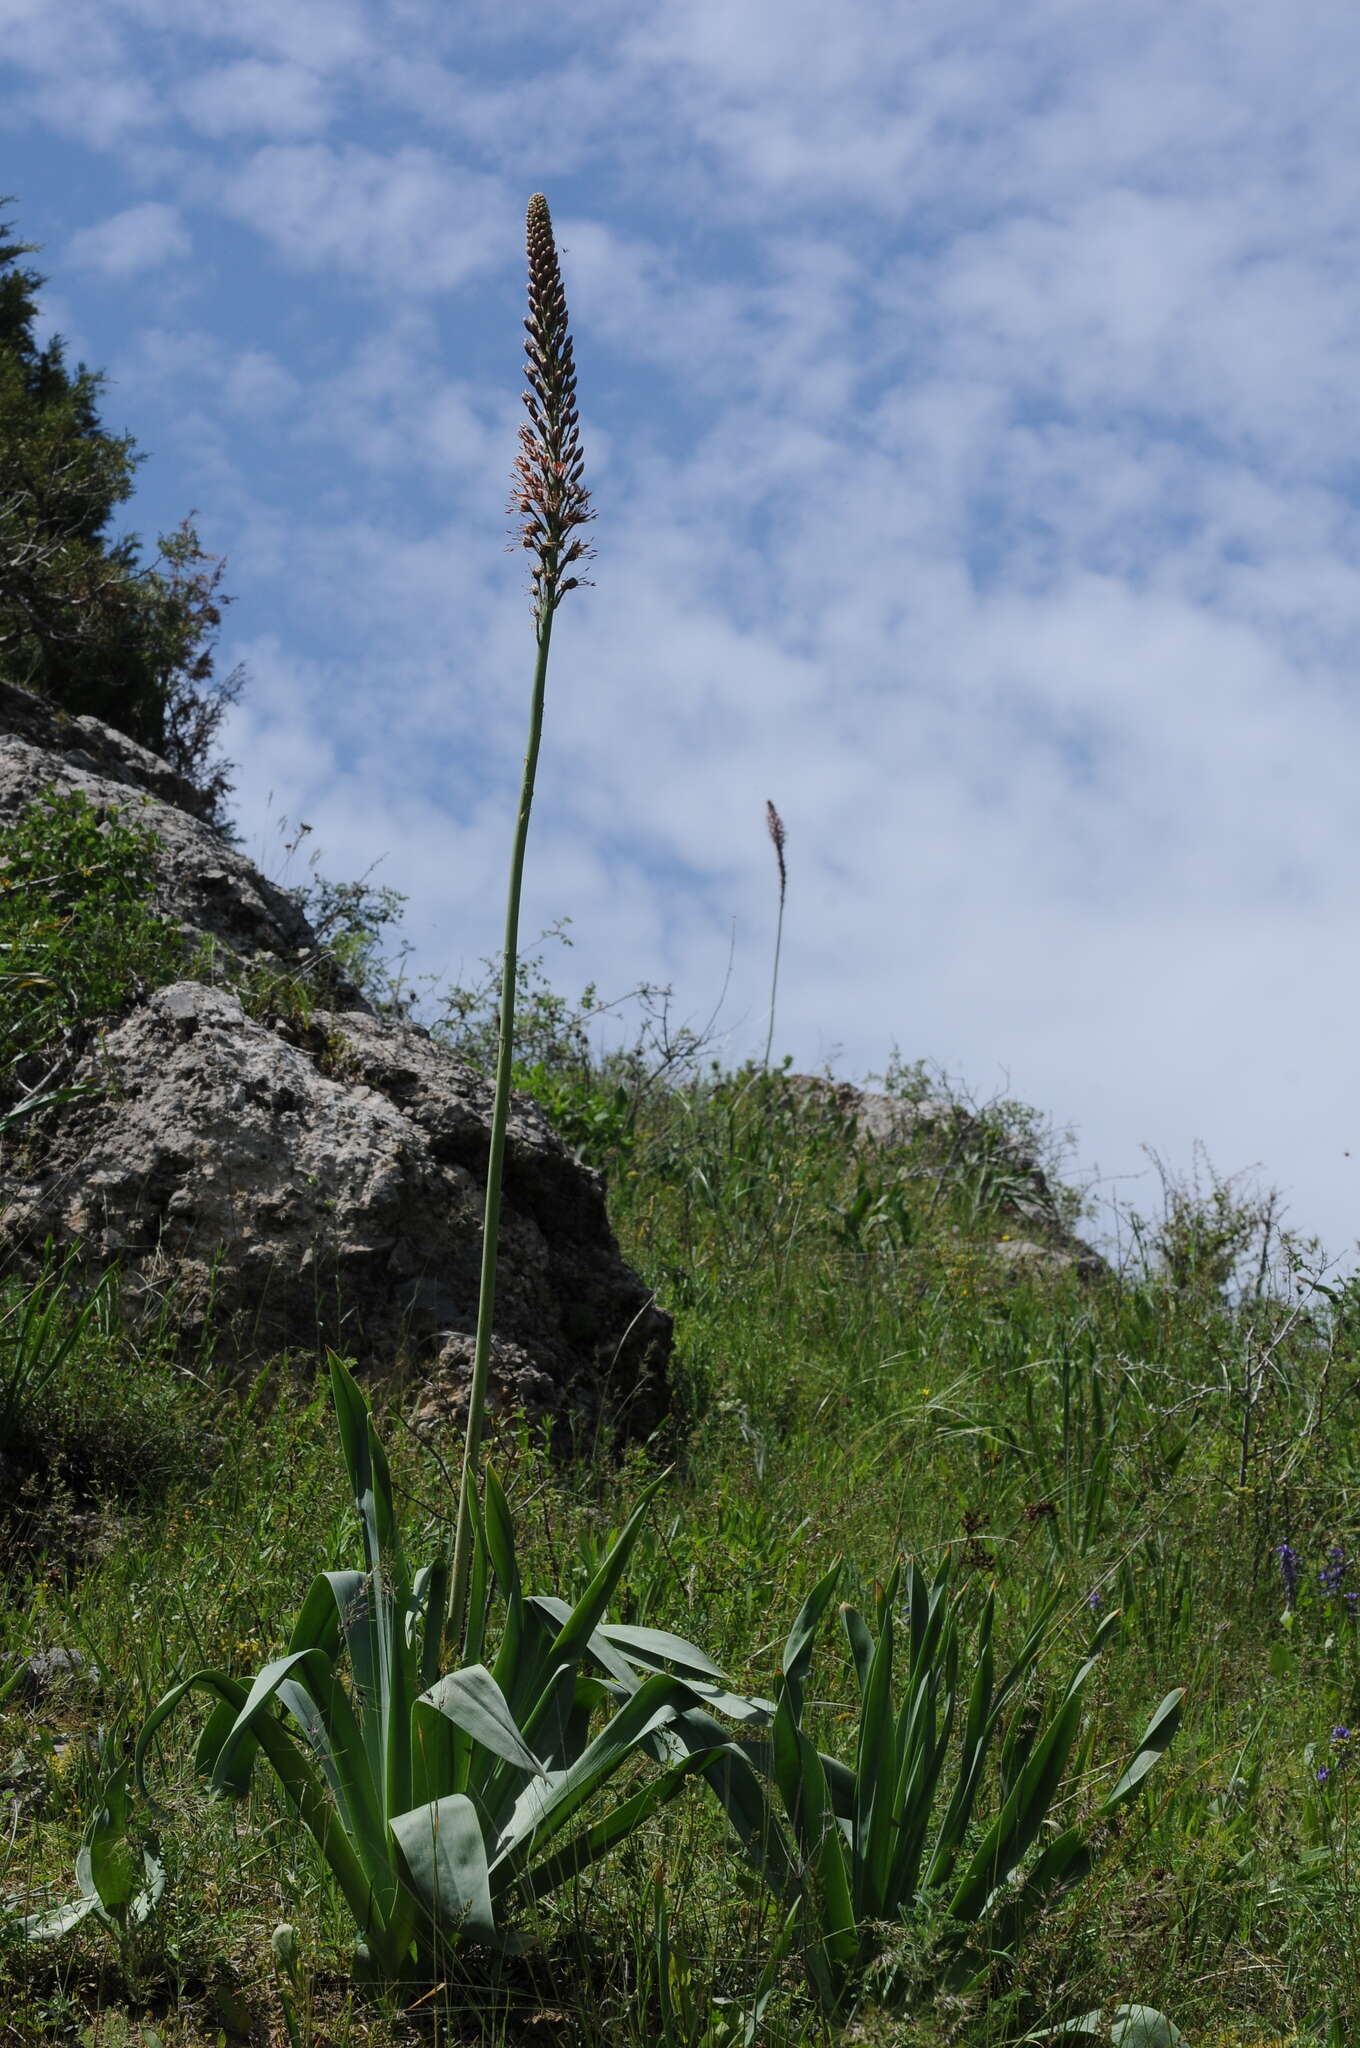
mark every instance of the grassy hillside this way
{"type": "Point", "coordinates": [1030, 1592]}
{"type": "Point", "coordinates": [860, 1376]}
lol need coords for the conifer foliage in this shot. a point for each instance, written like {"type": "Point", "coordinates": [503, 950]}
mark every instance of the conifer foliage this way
{"type": "Point", "coordinates": [82, 620]}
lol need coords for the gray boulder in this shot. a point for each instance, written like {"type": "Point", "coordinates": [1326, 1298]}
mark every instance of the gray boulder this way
{"type": "Point", "coordinates": [955, 1140]}
{"type": "Point", "coordinates": [281, 1183]}
{"type": "Point", "coordinates": [51, 1671]}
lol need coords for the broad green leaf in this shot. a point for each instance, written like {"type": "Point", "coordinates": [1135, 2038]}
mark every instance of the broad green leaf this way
{"type": "Point", "coordinates": [1130, 2026]}
{"type": "Point", "coordinates": [61, 1920]}
{"type": "Point", "coordinates": [980, 1723]}
{"type": "Point", "coordinates": [1024, 1812]}
{"type": "Point", "coordinates": [861, 1644]}
{"type": "Point", "coordinates": [306, 1685]}
{"type": "Point", "coordinates": [598, 1644]}
{"type": "Point", "coordinates": [444, 1863]}
{"type": "Point", "coordinates": [107, 1864]}
{"type": "Point", "coordinates": [589, 1846]}
{"type": "Point", "coordinates": [389, 1589]}
{"type": "Point", "coordinates": [589, 1610]}
{"type": "Point", "coordinates": [430, 1595]}
{"type": "Point", "coordinates": [737, 1706]}
{"type": "Point", "coordinates": [1107, 1627]}
{"type": "Point", "coordinates": [258, 1701]}
{"type": "Point", "coordinates": [828, 1911]}
{"type": "Point", "coordinates": [305, 1789]}
{"type": "Point", "coordinates": [876, 1774]}
{"type": "Point", "coordinates": [334, 1606]}
{"type": "Point", "coordinates": [797, 1657]}
{"type": "Point", "coordinates": [146, 1901]}
{"type": "Point", "coordinates": [479, 1591]}
{"type": "Point", "coordinates": [500, 1537]}
{"type": "Point", "coordinates": [1064, 1863]}
{"type": "Point", "coordinates": [323, 1710]}
{"type": "Point", "coordinates": [617, 1649]}
{"type": "Point", "coordinates": [352, 1419]}
{"type": "Point", "coordinates": [1156, 1739]}
{"type": "Point", "coordinates": [230, 1694]}
{"type": "Point", "coordinates": [735, 1778]}
{"type": "Point", "coordinates": [440, 1754]}
{"type": "Point", "coordinates": [554, 1727]}
{"type": "Point", "coordinates": [544, 1805]}
{"type": "Point", "coordinates": [391, 1595]}
{"type": "Point", "coordinates": [931, 1611]}
{"type": "Point", "coordinates": [1139, 2026]}
{"type": "Point", "coordinates": [1090, 2027]}
{"type": "Point", "coordinates": [471, 1698]}
{"type": "Point", "coordinates": [918, 1607]}
{"type": "Point", "coordinates": [339, 1605]}
{"type": "Point", "coordinates": [658, 1646]}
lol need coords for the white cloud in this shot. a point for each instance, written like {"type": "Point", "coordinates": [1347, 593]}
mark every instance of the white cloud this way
{"type": "Point", "coordinates": [406, 220]}
{"type": "Point", "coordinates": [140, 238]}
{"type": "Point", "coordinates": [259, 386]}
{"type": "Point", "coordinates": [967, 412]}
{"type": "Point", "coordinates": [251, 97]}
{"type": "Point", "coordinates": [321, 34]}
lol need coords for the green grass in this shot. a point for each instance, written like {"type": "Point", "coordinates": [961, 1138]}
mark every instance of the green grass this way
{"type": "Point", "coordinates": [78, 939]}
{"type": "Point", "coordinates": [842, 1398]}
{"type": "Point", "coordinates": [1149, 1461]}
{"type": "Point", "coordinates": [858, 1375]}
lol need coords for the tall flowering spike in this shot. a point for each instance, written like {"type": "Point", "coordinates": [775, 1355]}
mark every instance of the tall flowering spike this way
{"type": "Point", "coordinates": [547, 492]}
{"type": "Point", "coordinates": [774, 825]}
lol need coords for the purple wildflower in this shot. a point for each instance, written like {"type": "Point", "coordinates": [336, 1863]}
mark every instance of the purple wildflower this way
{"type": "Point", "coordinates": [1322, 1774]}
{"type": "Point", "coordinates": [1289, 1570]}
{"type": "Point", "coordinates": [1341, 1735]}
{"type": "Point", "coordinates": [1329, 1577]}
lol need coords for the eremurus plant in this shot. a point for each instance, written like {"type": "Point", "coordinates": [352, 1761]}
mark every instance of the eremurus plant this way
{"type": "Point", "coordinates": [440, 1801]}
{"type": "Point", "coordinates": [552, 502]}
{"type": "Point", "coordinates": [444, 1801]}
{"type": "Point", "coordinates": [443, 1804]}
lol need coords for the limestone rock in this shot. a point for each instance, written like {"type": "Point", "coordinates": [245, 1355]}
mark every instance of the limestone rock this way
{"type": "Point", "coordinates": [1023, 1255]}
{"type": "Point", "coordinates": [280, 1186]}
{"type": "Point", "coordinates": [1049, 1246]}
{"type": "Point", "coordinates": [51, 1670]}
{"type": "Point", "coordinates": [205, 886]}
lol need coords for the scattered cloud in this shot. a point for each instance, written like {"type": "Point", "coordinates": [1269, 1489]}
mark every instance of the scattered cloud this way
{"type": "Point", "coordinates": [403, 220]}
{"type": "Point", "coordinates": [250, 97]}
{"type": "Point", "coordinates": [140, 238]}
{"type": "Point", "coordinates": [968, 412]}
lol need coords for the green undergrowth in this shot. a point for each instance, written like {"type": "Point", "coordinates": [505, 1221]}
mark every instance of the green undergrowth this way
{"type": "Point", "coordinates": [79, 938]}
{"type": "Point", "coordinates": [863, 1372]}
{"type": "Point", "coordinates": [1125, 1443]}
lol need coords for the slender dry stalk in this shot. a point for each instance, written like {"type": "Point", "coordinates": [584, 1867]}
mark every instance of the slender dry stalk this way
{"type": "Point", "coordinates": [548, 495]}
{"type": "Point", "coordinates": [774, 825]}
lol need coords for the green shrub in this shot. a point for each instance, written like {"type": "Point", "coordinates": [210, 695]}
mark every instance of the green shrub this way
{"type": "Point", "coordinates": [88, 1410]}
{"type": "Point", "coordinates": [78, 936]}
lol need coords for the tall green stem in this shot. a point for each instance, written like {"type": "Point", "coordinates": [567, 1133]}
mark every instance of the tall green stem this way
{"type": "Point", "coordinates": [774, 825]}
{"type": "Point", "coordinates": [548, 492]}
{"type": "Point", "coordinates": [774, 982]}
{"type": "Point", "coordinates": [505, 1059]}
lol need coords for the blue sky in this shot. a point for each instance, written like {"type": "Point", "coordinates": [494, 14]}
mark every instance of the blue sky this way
{"type": "Point", "coordinates": [969, 401]}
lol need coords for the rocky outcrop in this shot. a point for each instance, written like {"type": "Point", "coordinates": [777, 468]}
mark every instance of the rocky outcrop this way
{"type": "Point", "coordinates": [279, 1183]}
{"type": "Point", "coordinates": [226, 909]}
{"type": "Point", "coordinates": [959, 1142]}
